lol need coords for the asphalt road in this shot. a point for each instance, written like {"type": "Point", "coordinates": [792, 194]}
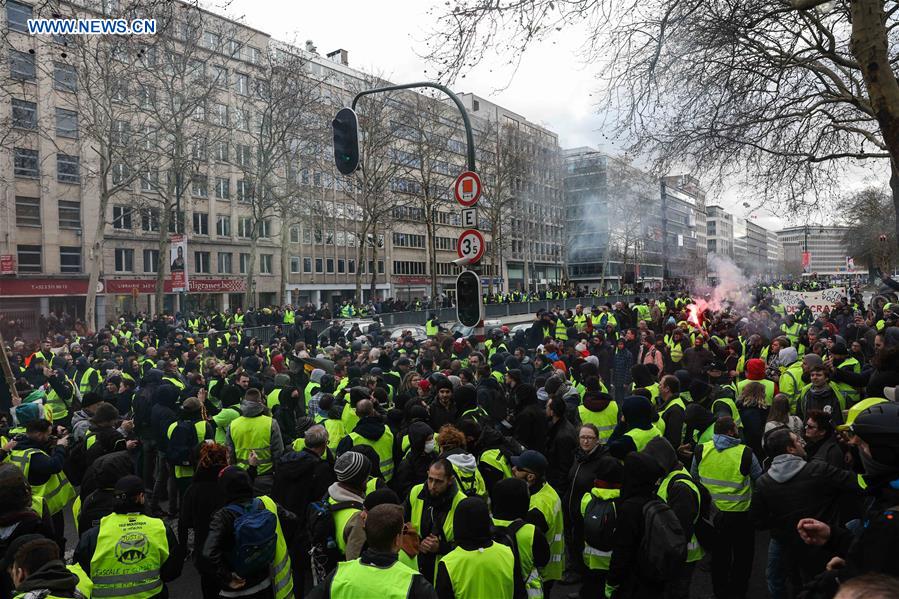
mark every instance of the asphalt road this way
{"type": "Point", "coordinates": [188, 585]}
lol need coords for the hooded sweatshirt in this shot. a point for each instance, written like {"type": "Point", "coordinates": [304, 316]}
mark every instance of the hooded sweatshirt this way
{"type": "Point", "coordinates": [53, 577]}
{"type": "Point", "coordinates": [465, 471]}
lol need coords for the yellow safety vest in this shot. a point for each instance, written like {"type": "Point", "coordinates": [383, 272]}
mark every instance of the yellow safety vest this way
{"type": "Point", "coordinates": [547, 502]}
{"type": "Point", "coordinates": [481, 573]}
{"type": "Point", "coordinates": [642, 437]}
{"type": "Point", "coordinates": [188, 471]}
{"type": "Point", "coordinates": [131, 549]}
{"type": "Point", "coordinates": [253, 434]}
{"type": "Point", "coordinates": [383, 447]}
{"type": "Point", "coordinates": [524, 539]}
{"type": "Point", "coordinates": [57, 491]}
{"type": "Point", "coordinates": [354, 579]}
{"type": "Point", "coordinates": [694, 550]}
{"type": "Point", "coordinates": [605, 420]}
{"type": "Point", "coordinates": [282, 574]}
{"type": "Point", "coordinates": [720, 472]}
{"type": "Point", "coordinates": [597, 559]}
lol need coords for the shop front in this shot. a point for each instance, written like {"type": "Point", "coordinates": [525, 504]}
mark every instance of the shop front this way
{"type": "Point", "coordinates": [25, 299]}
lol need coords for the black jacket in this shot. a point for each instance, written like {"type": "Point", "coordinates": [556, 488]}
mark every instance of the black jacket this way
{"type": "Point", "coordinates": [588, 468]}
{"type": "Point", "coordinates": [19, 523]}
{"type": "Point", "coordinates": [221, 541]}
{"type": "Point", "coordinates": [45, 464]}
{"type": "Point", "coordinates": [302, 477]}
{"type": "Point", "coordinates": [202, 499]}
{"type": "Point", "coordinates": [561, 446]}
{"type": "Point", "coordinates": [530, 427]}
{"type": "Point", "coordinates": [418, 589]}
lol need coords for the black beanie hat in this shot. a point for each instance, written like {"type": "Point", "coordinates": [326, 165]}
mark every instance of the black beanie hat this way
{"type": "Point", "coordinates": [510, 499]}
{"type": "Point", "coordinates": [471, 522]}
{"type": "Point", "coordinates": [380, 497]}
{"type": "Point", "coordinates": [235, 484]}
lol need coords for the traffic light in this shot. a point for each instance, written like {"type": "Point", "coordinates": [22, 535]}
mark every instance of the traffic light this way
{"type": "Point", "coordinates": [346, 141]}
{"type": "Point", "coordinates": [469, 304]}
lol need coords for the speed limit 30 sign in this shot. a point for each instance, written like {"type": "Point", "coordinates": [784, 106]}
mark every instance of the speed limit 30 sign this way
{"type": "Point", "coordinates": [471, 245]}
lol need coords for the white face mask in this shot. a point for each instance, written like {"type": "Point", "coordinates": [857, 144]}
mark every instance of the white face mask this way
{"type": "Point", "coordinates": [430, 446]}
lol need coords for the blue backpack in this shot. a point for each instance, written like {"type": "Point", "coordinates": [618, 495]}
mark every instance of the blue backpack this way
{"type": "Point", "coordinates": [255, 538]}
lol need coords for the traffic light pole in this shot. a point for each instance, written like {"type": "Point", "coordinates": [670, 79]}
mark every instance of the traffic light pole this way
{"type": "Point", "coordinates": [469, 135]}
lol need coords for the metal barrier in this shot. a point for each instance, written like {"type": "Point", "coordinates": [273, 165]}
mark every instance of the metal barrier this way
{"type": "Point", "coordinates": [491, 311]}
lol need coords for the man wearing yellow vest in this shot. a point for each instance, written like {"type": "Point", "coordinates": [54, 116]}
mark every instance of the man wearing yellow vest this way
{"type": "Point", "coordinates": [255, 430]}
{"type": "Point", "coordinates": [478, 567]}
{"type": "Point", "coordinates": [727, 467]}
{"type": "Point", "coordinates": [378, 571]}
{"type": "Point", "coordinates": [430, 507]}
{"type": "Point", "coordinates": [371, 431]}
{"type": "Point", "coordinates": [545, 512]}
{"type": "Point", "coordinates": [509, 503]}
{"type": "Point", "coordinates": [185, 437]}
{"type": "Point", "coordinates": [599, 410]}
{"type": "Point", "coordinates": [41, 458]}
{"type": "Point", "coordinates": [637, 427]}
{"type": "Point", "coordinates": [130, 555]}
{"type": "Point", "coordinates": [247, 545]}
{"type": "Point", "coordinates": [36, 569]}
{"type": "Point", "coordinates": [678, 489]}
{"type": "Point", "coordinates": [345, 497]}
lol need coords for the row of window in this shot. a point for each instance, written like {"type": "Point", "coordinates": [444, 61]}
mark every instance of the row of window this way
{"type": "Point", "coordinates": [23, 67]}
{"type": "Point", "coordinates": [26, 163]}
{"type": "Point", "coordinates": [28, 213]}
{"type": "Point", "coordinates": [124, 262]}
{"type": "Point", "coordinates": [327, 266]}
{"type": "Point", "coordinates": [123, 218]}
{"type": "Point", "coordinates": [24, 116]}
{"type": "Point", "coordinates": [30, 258]}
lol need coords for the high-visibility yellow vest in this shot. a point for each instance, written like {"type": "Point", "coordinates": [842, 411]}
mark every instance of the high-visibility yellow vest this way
{"type": "Point", "coordinates": [597, 559]}
{"type": "Point", "coordinates": [677, 401]}
{"type": "Point", "coordinates": [253, 434]}
{"type": "Point", "coordinates": [273, 399]}
{"type": "Point", "coordinates": [547, 502]}
{"type": "Point", "coordinates": [769, 388]}
{"type": "Point", "coordinates": [849, 392]}
{"type": "Point", "coordinates": [417, 504]}
{"type": "Point", "coordinates": [59, 408]}
{"type": "Point", "coordinates": [57, 491]}
{"type": "Point", "coordinates": [222, 421]}
{"type": "Point", "coordinates": [335, 430]}
{"type": "Point", "coordinates": [720, 472]}
{"type": "Point", "coordinates": [131, 549]}
{"type": "Point", "coordinates": [431, 329]}
{"type": "Point", "coordinates": [604, 421]}
{"type": "Point", "coordinates": [188, 471]}
{"type": "Point", "coordinates": [524, 540]}
{"type": "Point", "coordinates": [85, 585]}
{"type": "Point", "coordinates": [354, 579]}
{"type": "Point", "coordinates": [84, 385]}
{"type": "Point", "coordinates": [580, 322]}
{"type": "Point", "coordinates": [641, 437]}
{"type": "Point", "coordinates": [341, 517]}
{"type": "Point", "coordinates": [496, 459]}
{"type": "Point", "coordinates": [310, 390]}
{"type": "Point", "coordinates": [481, 573]}
{"type": "Point", "coordinates": [694, 551]}
{"type": "Point", "coordinates": [282, 574]}
{"type": "Point", "coordinates": [561, 330]}
{"type": "Point", "coordinates": [383, 447]}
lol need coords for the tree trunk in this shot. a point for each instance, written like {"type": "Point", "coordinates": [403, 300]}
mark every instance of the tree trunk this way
{"type": "Point", "coordinates": [249, 295]}
{"type": "Point", "coordinates": [360, 261]}
{"type": "Point", "coordinates": [373, 286]}
{"type": "Point", "coordinates": [285, 259]}
{"type": "Point", "coordinates": [432, 252]}
{"type": "Point", "coordinates": [163, 270]}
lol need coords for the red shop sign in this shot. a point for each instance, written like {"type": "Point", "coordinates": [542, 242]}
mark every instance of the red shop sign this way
{"type": "Point", "coordinates": [42, 287]}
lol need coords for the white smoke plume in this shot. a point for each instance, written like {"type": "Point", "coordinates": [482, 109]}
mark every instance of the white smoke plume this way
{"type": "Point", "coordinates": [732, 287]}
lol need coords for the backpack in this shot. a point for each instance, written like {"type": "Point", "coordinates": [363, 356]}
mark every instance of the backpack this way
{"type": "Point", "coordinates": [600, 518]}
{"type": "Point", "coordinates": [76, 464]}
{"type": "Point", "coordinates": [663, 549]}
{"type": "Point", "coordinates": [704, 528]}
{"type": "Point", "coordinates": [506, 536]}
{"type": "Point", "coordinates": [255, 538]}
{"type": "Point", "coordinates": [322, 532]}
{"type": "Point", "coordinates": [182, 443]}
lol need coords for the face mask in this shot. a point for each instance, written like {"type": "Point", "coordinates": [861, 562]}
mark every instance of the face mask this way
{"type": "Point", "coordinates": [430, 446]}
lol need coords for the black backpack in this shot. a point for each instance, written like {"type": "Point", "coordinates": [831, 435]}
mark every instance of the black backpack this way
{"type": "Point", "coordinates": [506, 536]}
{"type": "Point", "coordinates": [663, 549]}
{"type": "Point", "coordinates": [324, 553]}
{"type": "Point", "coordinates": [704, 528]}
{"type": "Point", "coordinates": [182, 443]}
{"type": "Point", "coordinates": [600, 518]}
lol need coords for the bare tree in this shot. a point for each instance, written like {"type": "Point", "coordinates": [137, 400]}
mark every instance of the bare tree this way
{"type": "Point", "coordinates": [429, 161]}
{"type": "Point", "coordinates": [870, 236]}
{"type": "Point", "coordinates": [783, 94]}
{"type": "Point", "coordinates": [284, 112]}
{"type": "Point", "coordinates": [183, 87]}
{"type": "Point", "coordinates": [505, 164]}
{"type": "Point", "coordinates": [380, 177]}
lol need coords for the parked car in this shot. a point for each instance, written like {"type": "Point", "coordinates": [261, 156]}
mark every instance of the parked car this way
{"type": "Point", "coordinates": [419, 333]}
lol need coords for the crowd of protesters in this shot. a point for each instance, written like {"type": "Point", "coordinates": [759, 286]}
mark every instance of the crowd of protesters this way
{"type": "Point", "coordinates": [605, 451]}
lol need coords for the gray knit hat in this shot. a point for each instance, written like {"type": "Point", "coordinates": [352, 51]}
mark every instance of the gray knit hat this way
{"type": "Point", "coordinates": [351, 465]}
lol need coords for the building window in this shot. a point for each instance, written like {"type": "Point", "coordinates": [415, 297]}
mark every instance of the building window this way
{"type": "Point", "coordinates": [200, 186]}
{"type": "Point", "coordinates": [69, 214]}
{"type": "Point", "coordinates": [120, 174]}
{"type": "Point", "coordinates": [67, 169]}
{"type": "Point", "coordinates": [220, 114]}
{"type": "Point", "coordinates": [149, 181]}
{"type": "Point", "coordinates": [307, 236]}
{"type": "Point", "coordinates": [201, 223]}
{"type": "Point", "coordinates": [242, 83]}
{"type": "Point", "coordinates": [198, 151]}
{"type": "Point", "coordinates": [294, 264]}
{"type": "Point", "coordinates": [244, 263]}
{"type": "Point", "coordinates": [222, 188]}
{"type": "Point", "coordinates": [224, 263]}
{"type": "Point", "coordinates": [124, 260]}
{"type": "Point", "coordinates": [29, 258]}
{"type": "Point", "coordinates": [295, 234]}
{"type": "Point", "coordinates": [149, 219]}
{"type": "Point", "coordinates": [66, 123]}
{"type": "Point", "coordinates": [24, 114]}
{"type": "Point", "coordinates": [146, 96]}
{"type": "Point", "coordinates": [351, 266]}
{"type": "Point", "coordinates": [244, 155]}
{"type": "Point", "coordinates": [151, 260]}
{"type": "Point", "coordinates": [21, 65]}
{"type": "Point", "coordinates": [25, 163]}
{"type": "Point", "coordinates": [329, 264]}
{"type": "Point", "coordinates": [241, 119]}
{"type": "Point", "coordinates": [319, 265]}
{"type": "Point", "coordinates": [219, 76]}
{"type": "Point", "coordinates": [244, 190]}
{"type": "Point", "coordinates": [64, 77]}
{"type": "Point", "coordinates": [265, 264]}
{"type": "Point", "coordinates": [221, 151]}
{"type": "Point", "coordinates": [307, 264]}
{"type": "Point", "coordinates": [28, 211]}
{"type": "Point", "coordinates": [121, 217]}
{"type": "Point", "coordinates": [265, 228]}
{"type": "Point", "coordinates": [341, 266]}
{"type": "Point", "coordinates": [17, 15]}
{"type": "Point", "coordinates": [223, 226]}
{"type": "Point", "coordinates": [201, 262]}
{"type": "Point", "coordinates": [245, 227]}
{"type": "Point", "coordinates": [69, 259]}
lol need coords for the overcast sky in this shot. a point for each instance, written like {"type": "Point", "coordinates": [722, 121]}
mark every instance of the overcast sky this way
{"type": "Point", "coordinates": [551, 87]}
